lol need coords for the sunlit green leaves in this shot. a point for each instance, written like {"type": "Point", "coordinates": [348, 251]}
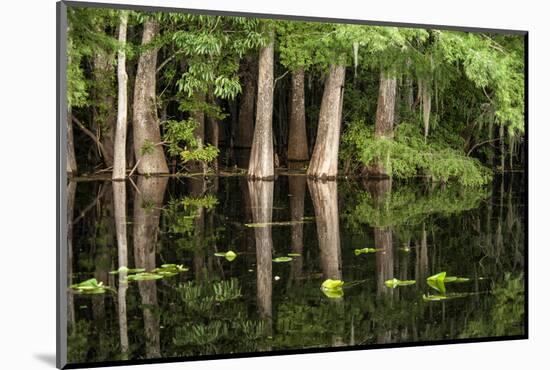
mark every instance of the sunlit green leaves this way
{"type": "Point", "coordinates": [90, 286]}
{"type": "Point", "coordinates": [365, 251]}
{"type": "Point", "coordinates": [229, 255]}
{"type": "Point", "coordinates": [394, 283]}
{"type": "Point", "coordinates": [282, 259]}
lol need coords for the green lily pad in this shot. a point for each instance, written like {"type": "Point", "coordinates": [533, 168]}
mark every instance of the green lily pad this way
{"type": "Point", "coordinates": [126, 270]}
{"type": "Point", "coordinates": [90, 286]}
{"type": "Point", "coordinates": [229, 255]}
{"type": "Point", "coordinates": [333, 293]}
{"type": "Point", "coordinates": [438, 285]}
{"type": "Point", "coordinates": [294, 255]}
{"type": "Point", "coordinates": [332, 284]}
{"type": "Point", "coordinates": [144, 276]}
{"type": "Point", "coordinates": [170, 269]}
{"type": "Point", "coordinates": [365, 251]}
{"type": "Point", "coordinates": [282, 259]}
{"type": "Point", "coordinates": [394, 283]}
{"type": "Point", "coordinates": [438, 297]}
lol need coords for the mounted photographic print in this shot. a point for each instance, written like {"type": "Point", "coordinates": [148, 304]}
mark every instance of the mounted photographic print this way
{"type": "Point", "coordinates": [235, 185]}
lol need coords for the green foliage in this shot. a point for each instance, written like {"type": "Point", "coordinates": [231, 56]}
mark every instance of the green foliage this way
{"type": "Point", "coordinates": [147, 147]}
{"type": "Point", "coordinates": [229, 255]}
{"type": "Point", "coordinates": [408, 155]}
{"type": "Point", "coordinates": [394, 283]}
{"type": "Point", "coordinates": [181, 141]}
{"type": "Point", "coordinates": [91, 286]}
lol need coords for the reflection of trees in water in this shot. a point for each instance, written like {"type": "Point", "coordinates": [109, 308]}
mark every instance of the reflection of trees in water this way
{"type": "Point", "coordinates": [297, 191]}
{"type": "Point", "coordinates": [71, 193]}
{"type": "Point", "coordinates": [324, 196]}
{"type": "Point", "coordinates": [261, 201]}
{"type": "Point", "coordinates": [404, 216]}
{"type": "Point", "coordinates": [147, 208]}
{"type": "Point", "coordinates": [119, 200]}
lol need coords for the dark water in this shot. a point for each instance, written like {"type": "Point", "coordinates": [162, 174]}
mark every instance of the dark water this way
{"type": "Point", "coordinates": [252, 304]}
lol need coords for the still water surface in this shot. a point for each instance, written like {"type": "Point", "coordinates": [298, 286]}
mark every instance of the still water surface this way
{"type": "Point", "coordinates": [252, 303]}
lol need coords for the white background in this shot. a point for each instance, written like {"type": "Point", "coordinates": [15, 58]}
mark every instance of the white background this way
{"type": "Point", "coordinates": [27, 184]}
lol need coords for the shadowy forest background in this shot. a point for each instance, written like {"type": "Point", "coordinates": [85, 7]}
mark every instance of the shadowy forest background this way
{"type": "Point", "coordinates": [159, 93]}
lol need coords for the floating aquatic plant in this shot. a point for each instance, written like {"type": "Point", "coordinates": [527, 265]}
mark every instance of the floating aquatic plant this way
{"type": "Point", "coordinates": [126, 270]}
{"type": "Point", "coordinates": [333, 288]}
{"type": "Point", "coordinates": [229, 255]}
{"type": "Point", "coordinates": [144, 276]}
{"type": "Point", "coordinates": [438, 281]}
{"type": "Point", "coordinates": [282, 259]}
{"type": "Point", "coordinates": [365, 251]}
{"type": "Point", "coordinates": [90, 286]}
{"type": "Point", "coordinates": [169, 269]}
{"type": "Point", "coordinates": [439, 297]}
{"type": "Point", "coordinates": [394, 283]}
{"type": "Point", "coordinates": [294, 254]}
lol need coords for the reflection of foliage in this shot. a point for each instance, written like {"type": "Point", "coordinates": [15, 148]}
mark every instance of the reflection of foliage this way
{"type": "Point", "coordinates": [180, 213]}
{"type": "Point", "coordinates": [506, 316]}
{"type": "Point", "coordinates": [212, 319]}
{"type": "Point", "coordinates": [407, 205]}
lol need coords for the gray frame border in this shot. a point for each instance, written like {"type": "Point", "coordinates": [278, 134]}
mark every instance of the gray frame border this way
{"type": "Point", "coordinates": [61, 172]}
{"type": "Point", "coordinates": [61, 185]}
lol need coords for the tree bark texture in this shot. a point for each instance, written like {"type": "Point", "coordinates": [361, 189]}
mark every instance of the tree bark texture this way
{"type": "Point", "coordinates": [324, 160]}
{"type": "Point", "coordinates": [324, 196]}
{"type": "Point", "coordinates": [145, 120]}
{"type": "Point", "coordinates": [261, 199]}
{"type": "Point", "coordinates": [71, 155]}
{"type": "Point", "coordinates": [297, 136]}
{"type": "Point", "coordinates": [385, 113]}
{"type": "Point", "coordinates": [119, 165]}
{"type": "Point", "coordinates": [297, 191]}
{"type": "Point", "coordinates": [119, 199]}
{"type": "Point", "coordinates": [261, 156]}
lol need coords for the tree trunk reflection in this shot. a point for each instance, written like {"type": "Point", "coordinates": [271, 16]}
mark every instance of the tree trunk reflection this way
{"type": "Point", "coordinates": [297, 191]}
{"type": "Point", "coordinates": [119, 198]}
{"type": "Point", "coordinates": [325, 201]}
{"type": "Point", "coordinates": [147, 208]}
{"type": "Point", "coordinates": [261, 201]}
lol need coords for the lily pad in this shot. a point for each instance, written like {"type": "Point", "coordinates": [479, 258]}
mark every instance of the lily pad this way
{"type": "Point", "coordinates": [394, 283]}
{"type": "Point", "coordinates": [90, 286]}
{"type": "Point", "coordinates": [144, 276]}
{"type": "Point", "coordinates": [126, 270]}
{"type": "Point", "coordinates": [333, 288]}
{"type": "Point", "coordinates": [438, 285]}
{"type": "Point", "coordinates": [333, 293]}
{"type": "Point", "coordinates": [332, 284]}
{"type": "Point", "coordinates": [169, 269]}
{"type": "Point", "coordinates": [438, 297]}
{"type": "Point", "coordinates": [229, 255]}
{"type": "Point", "coordinates": [365, 251]}
{"type": "Point", "coordinates": [282, 259]}
{"type": "Point", "coordinates": [294, 255]}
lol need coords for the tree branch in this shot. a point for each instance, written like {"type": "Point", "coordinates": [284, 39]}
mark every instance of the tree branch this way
{"type": "Point", "coordinates": [90, 134]}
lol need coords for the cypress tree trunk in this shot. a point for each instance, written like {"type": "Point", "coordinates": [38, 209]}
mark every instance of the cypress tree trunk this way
{"type": "Point", "coordinates": [104, 117]}
{"type": "Point", "coordinates": [324, 160]}
{"type": "Point", "coordinates": [71, 156]}
{"type": "Point", "coordinates": [426, 108]}
{"type": "Point", "coordinates": [297, 137]}
{"type": "Point", "coordinates": [119, 166]}
{"type": "Point", "coordinates": [385, 111]}
{"type": "Point", "coordinates": [297, 190]}
{"type": "Point", "coordinates": [261, 156]}
{"type": "Point", "coordinates": [244, 130]}
{"type": "Point", "coordinates": [198, 116]}
{"type": "Point", "coordinates": [145, 122]}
